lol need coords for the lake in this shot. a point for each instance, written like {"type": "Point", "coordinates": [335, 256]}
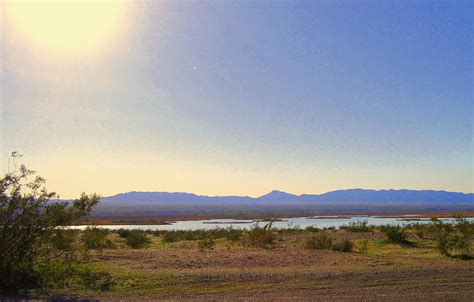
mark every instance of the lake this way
{"type": "Point", "coordinates": [302, 222]}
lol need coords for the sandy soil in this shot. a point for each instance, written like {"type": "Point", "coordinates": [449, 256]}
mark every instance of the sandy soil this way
{"type": "Point", "coordinates": [289, 272]}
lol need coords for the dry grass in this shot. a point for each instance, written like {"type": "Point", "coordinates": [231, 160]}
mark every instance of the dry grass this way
{"type": "Point", "coordinates": [234, 270]}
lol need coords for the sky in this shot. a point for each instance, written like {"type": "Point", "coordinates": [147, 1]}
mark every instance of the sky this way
{"type": "Point", "coordinates": [239, 97]}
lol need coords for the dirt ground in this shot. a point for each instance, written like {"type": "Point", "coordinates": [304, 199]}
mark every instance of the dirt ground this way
{"type": "Point", "coordinates": [388, 272]}
{"type": "Point", "coordinates": [181, 271]}
{"type": "Point", "coordinates": [301, 275]}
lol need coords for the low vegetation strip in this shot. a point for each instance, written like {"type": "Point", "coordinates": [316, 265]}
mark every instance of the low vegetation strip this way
{"type": "Point", "coordinates": [134, 262]}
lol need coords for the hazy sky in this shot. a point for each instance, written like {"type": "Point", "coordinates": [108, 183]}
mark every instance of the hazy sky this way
{"type": "Point", "coordinates": [239, 97]}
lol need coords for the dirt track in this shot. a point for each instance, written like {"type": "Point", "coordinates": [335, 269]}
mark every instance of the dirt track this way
{"type": "Point", "coordinates": [406, 285]}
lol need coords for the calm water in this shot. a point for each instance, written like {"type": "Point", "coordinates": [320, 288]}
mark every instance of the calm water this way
{"type": "Point", "coordinates": [302, 222]}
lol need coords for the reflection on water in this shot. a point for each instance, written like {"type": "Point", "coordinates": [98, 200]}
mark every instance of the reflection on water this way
{"type": "Point", "coordinates": [302, 222]}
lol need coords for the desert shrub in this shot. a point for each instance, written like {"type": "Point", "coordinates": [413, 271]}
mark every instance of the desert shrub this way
{"type": "Point", "coordinates": [94, 238]}
{"type": "Point", "coordinates": [312, 229]}
{"type": "Point", "coordinates": [170, 236]}
{"type": "Point", "coordinates": [97, 280]}
{"type": "Point", "coordinates": [31, 232]}
{"type": "Point", "coordinates": [463, 236]}
{"type": "Point", "coordinates": [261, 236]}
{"type": "Point", "coordinates": [123, 233]}
{"type": "Point", "coordinates": [357, 226]}
{"type": "Point", "coordinates": [441, 233]}
{"type": "Point", "coordinates": [343, 245]}
{"type": "Point", "coordinates": [137, 239]}
{"type": "Point", "coordinates": [190, 236]}
{"type": "Point", "coordinates": [318, 242]}
{"type": "Point", "coordinates": [395, 234]}
{"type": "Point", "coordinates": [57, 275]}
{"type": "Point", "coordinates": [179, 235]}
{"type": "Point", "coordinates": [420, 230]}
{"type": "Point", "coordinates": [363, 248]}
{"type": "Point", "coordinates": [290, 229]}
{"type": "Point", "coordinates": [206, 243]}
{"type": "Point", "coordinates": [455, 239]}
{"type": "Point", "coordinates": [109, 244]}
{"type": "Point", "coordinates": [234, 235]}
{"type": "Point", "coordinates": [229, 233]}
{"type": "Point", "coordinates": [64, 241]}
{"type": "Point", "coordinates": [212, 233]}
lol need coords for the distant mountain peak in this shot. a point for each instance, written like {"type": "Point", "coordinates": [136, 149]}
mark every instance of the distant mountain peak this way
{"type": "Point", "coordinates": [277, 195]}
{"type": "Point", "coordinates": [278, 192]}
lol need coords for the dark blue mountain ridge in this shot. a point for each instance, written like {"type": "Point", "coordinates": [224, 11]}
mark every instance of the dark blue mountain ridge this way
{"type": "Point", "coordinates": [275, 196]}
{"type": "Point", "coordinates": [171, 197]}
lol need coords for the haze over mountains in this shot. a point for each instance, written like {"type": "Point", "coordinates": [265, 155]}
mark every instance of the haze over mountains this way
{"type": "Point", "coordinates": [360, 201]}
{"type": "Point", "coordinates": [354, 201]}
{"type": "Point", "coordinates": [275, 196]}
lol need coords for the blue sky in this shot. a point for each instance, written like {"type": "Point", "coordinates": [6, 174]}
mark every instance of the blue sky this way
{"type": "Point", "coordinates": [241, 97]}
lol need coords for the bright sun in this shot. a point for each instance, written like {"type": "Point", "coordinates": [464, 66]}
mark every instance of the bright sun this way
{"type": "Point", "coordinates": [66, 27]}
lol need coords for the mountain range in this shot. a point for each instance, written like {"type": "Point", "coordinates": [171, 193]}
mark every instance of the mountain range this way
{"type": "Point", "coordinates": [280, 197]}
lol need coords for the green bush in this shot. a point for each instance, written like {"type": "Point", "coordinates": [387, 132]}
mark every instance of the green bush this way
{"type": "Point", "coordinates": [31, 232]}
{"type": "Point", "coordinates": [234, 235]}
{"type": "Point", "coordinates": [56, 274]}
{"type": "Point", "coordinates": [206, 243]}
{"type": "Point", "coordinates": [357, 226]}
{"type": "Point", "coordinates": [442, 233]}
{"type": "Point", "coordinates": [261, 236]}
{"type": "Point", "coordinates": [137, 239]}
{"type": "Point", "coordinates": [463, 236]}
{"type": "Point", "coordinates": [189, 236]}
{"type": "Point", "coordinates": [170, 236]}
{"type": "Point", "coordinates": [65, 241]}
{"type": "Point", "coordinates": [123, 233]}
{"type": "Point", "coordinates": [395, 234]}
{"type": "Point", "coordinates": [319, 242]}
{"type": "Point", "coordinates": [230, 234]}
{"type": "Point", "coordinates": [420, 230]}
{"type": "Point", "coordinates": [95, 238]}
{"type": "Point", "coordinates": [455, 239]}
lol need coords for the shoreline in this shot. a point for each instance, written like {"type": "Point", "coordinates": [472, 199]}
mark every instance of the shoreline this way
{"type": "Point", "coordinates": [170, 219]}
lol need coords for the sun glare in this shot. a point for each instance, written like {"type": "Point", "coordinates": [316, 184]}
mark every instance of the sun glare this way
{"type": "Point", "coordinates": [66, 27]}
